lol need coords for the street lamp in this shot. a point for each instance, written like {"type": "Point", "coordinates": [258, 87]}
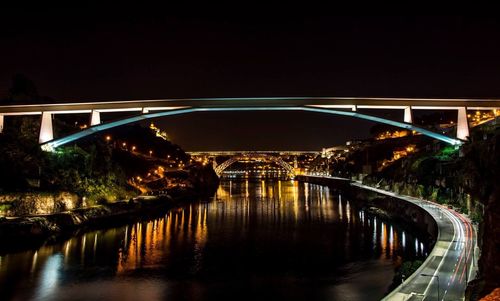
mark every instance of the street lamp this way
{"type": "Point", "coordinates": [429, 275]}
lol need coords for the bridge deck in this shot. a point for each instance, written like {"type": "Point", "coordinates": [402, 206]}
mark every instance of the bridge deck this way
{"type": "Point", "coordinates": [333, 102]}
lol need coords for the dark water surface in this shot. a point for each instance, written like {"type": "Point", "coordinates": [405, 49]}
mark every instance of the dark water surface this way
{"type": "Point", "coordinates": [268, 240]}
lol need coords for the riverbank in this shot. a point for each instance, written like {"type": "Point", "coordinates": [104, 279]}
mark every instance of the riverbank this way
{"type": "Point", "coordinates": [31, 232]}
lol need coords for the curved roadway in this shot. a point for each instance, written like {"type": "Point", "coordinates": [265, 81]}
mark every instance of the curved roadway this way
{"type": "Point", "coordinates": [452, 260]}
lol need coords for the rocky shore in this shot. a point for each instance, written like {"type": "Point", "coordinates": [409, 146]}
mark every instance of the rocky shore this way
{"type": "Point", "coordinates": [32, 231]}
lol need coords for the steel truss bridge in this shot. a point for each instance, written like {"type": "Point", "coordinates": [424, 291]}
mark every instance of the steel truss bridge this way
{"type": "Point", "coordinates": [236, 153]}
{"type": "Point", "coordinates": [219, 169]}
{"type": "Point", "coordinates": [235, 156]}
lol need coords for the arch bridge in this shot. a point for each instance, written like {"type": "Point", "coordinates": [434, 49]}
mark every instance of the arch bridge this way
{"type": "Point", "coordinates": [219, 169]}
{"type": "Point", "coordinates": [344, 106]}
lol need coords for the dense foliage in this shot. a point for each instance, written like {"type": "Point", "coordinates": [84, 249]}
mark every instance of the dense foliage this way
{"type": "Point", "coordinates": [93, 168]}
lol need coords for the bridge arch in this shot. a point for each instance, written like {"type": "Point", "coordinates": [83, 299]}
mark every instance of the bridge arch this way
{"type": "Point", "coordinates": [52, 144]}
{"type": "Point", "coordinates": [219, 169]}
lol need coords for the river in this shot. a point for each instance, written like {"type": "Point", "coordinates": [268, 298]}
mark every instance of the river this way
{"type": "Point", "coordinates": [268, 240]}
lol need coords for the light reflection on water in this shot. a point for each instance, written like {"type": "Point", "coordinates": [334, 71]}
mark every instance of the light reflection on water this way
{"type": "Point", "coordinates": [279, 239]}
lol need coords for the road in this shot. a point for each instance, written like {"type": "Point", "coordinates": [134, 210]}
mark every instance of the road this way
{"type": "Point", "coordinates": [453, 260]}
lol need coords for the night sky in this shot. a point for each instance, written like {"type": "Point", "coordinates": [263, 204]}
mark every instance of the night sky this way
{"type": "Point", "coordinates": [82, 56]}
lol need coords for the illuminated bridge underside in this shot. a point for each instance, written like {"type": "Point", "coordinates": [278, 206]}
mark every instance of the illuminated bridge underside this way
{"type": "Point", "coordinates": [51, 145]}
{"type": "Point", "coordinates": [220, 168]}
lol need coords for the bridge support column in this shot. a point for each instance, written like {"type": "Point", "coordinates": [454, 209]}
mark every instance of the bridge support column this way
{"type": "Point", "coordinates": [408, 118]}
{"type": "Point", "coordinates": [46, 130]}
{"type": "Point", "coordinates": [462, 124]}
{"type": "Point", "coordinates": [1, 124]}
{"type": "Point", "coordinates": [95, 118]}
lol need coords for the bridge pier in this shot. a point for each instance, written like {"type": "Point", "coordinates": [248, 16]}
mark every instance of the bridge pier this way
{"type": "Point", "coordinates": [1, 123]}
{"type": "Point", "coordinates": [462, 124]}
{"type": "Point", "coordinates": [46, 130]}
{"type": "Point", "coordinates": [95, 118]}
{"type": "Point", "coordinates": [408, 118]}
